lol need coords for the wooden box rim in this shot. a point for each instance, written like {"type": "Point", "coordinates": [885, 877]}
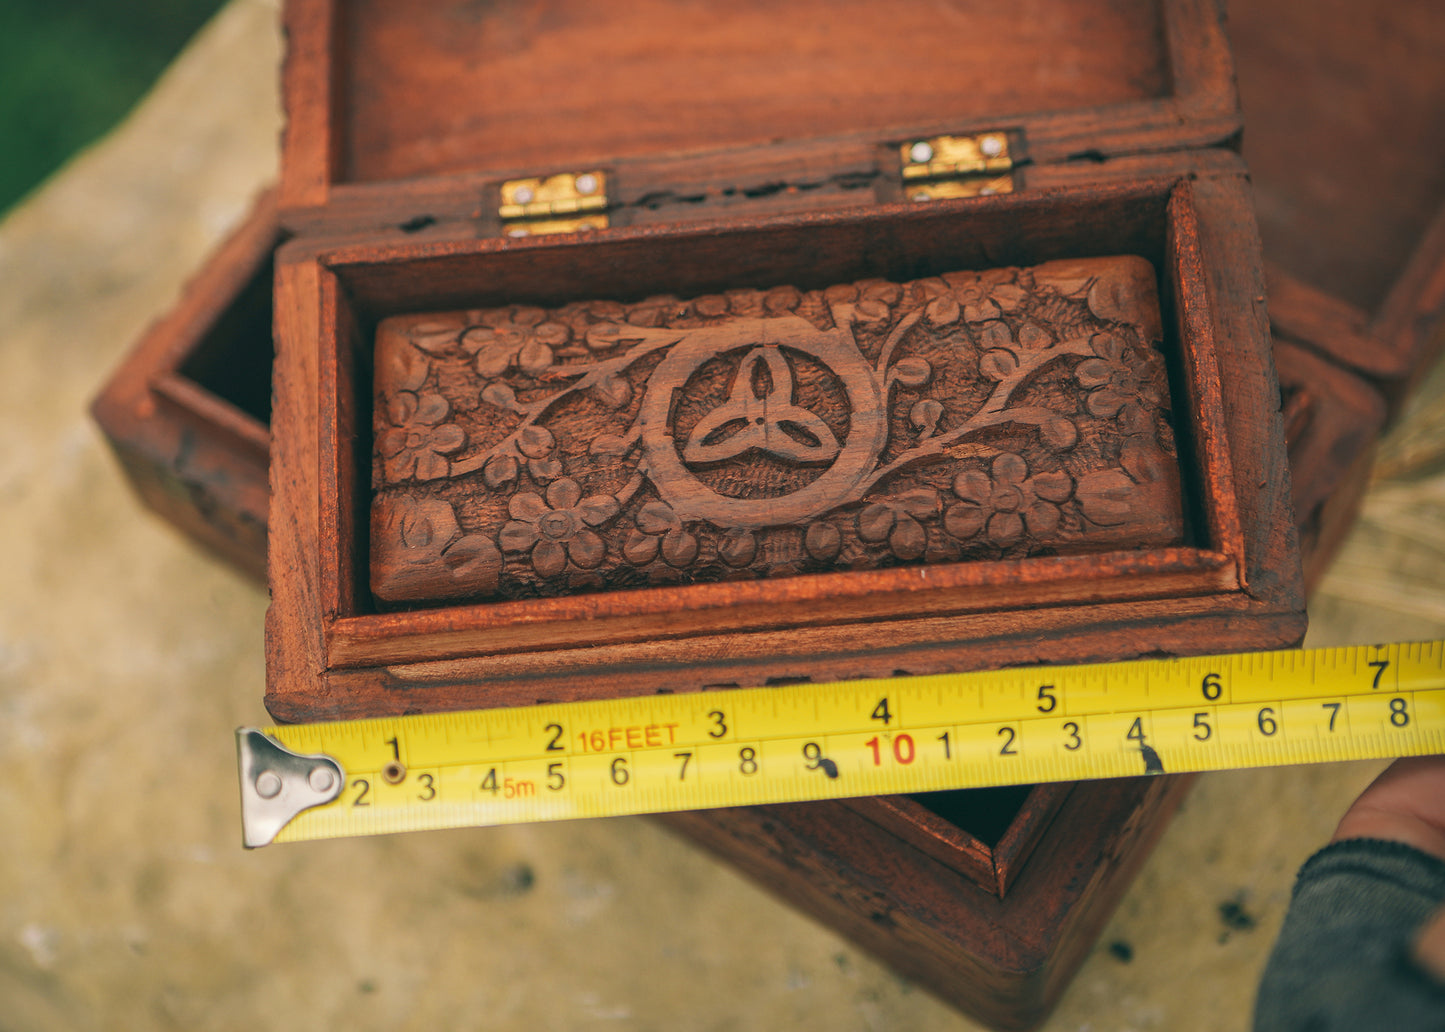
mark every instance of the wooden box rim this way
{"type": "Point", "coordinates": [1195, 105]}
{"type": "Point", "coordinates": [1231, 572]}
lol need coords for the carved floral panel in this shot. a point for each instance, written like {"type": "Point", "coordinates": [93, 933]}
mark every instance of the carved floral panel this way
{"type": "Point", "coordinates": [523, 452]}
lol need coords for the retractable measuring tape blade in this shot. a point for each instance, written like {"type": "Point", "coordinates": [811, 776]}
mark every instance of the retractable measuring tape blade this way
{"type": "Point", "coordinates": [664, 753]}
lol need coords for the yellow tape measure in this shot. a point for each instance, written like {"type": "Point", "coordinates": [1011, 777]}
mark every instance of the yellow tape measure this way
{"type": "Point", "coordinates": [827, 741]}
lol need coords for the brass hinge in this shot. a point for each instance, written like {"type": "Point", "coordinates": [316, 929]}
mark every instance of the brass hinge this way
{"type": "Point", "coordinates": [569, 202]}
{"type": "Point", "coordinates": [957, 166]}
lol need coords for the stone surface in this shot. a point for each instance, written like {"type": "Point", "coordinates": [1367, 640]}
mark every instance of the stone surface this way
{"type": "Point", "coordinates": [127, 658]}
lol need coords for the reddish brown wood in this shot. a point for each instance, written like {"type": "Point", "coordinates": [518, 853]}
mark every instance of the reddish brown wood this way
{"type": "Point", "coordinates": [719, 107]}
{"type": "Point", "coordinates": [1332, 420]}
{"type": "Point", "coordinates": [187, 412]}
{"type": "Point", "coordinates": [748, 620]}
{"type": "Point", "coordinates": [1004, 959]}
{"type": "Point", "coordinates": [1344, 105]}
{"type": "Point", "coordinates": [523, 451]}
{"type": "Point", "coordinates": [987, 835]}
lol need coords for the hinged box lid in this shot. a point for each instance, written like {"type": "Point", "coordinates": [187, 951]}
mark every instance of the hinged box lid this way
{"type": "Point", "coordinates": [406, 117]}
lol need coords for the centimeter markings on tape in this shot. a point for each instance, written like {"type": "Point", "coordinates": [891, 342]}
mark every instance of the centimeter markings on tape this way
{"type": "Point", "coordinates": [662, 753]}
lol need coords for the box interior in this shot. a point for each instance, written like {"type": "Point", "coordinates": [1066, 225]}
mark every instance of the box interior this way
{"type": "Point", "coordinates": [232, 359]}
{"type": "Point", "coordinates": [896, 243]}
{"type": "Point", "coordinates": [516, 85]}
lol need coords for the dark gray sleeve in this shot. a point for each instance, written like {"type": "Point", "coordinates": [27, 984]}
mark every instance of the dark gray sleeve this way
{"type": "Point", "coordinates": [1342, 961]}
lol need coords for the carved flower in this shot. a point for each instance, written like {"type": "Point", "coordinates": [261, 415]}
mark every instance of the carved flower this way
{"type": "Point", "coordinates": [659, 529]}
{"type": "Point", "coordinates": [433, 556]}
{"type": "Point", "coordinates": [1123, 380]}
{"type": "Point", "coordinates": [1006, 501]}
{"type": "Point", "coordinates": [558, 528]}
{"type": "Point", "coordinates": [514, 338]}
{"type": "Point", "coordinates": [896, 520]}
{"type": "Point", "coordinates": [418, 440]}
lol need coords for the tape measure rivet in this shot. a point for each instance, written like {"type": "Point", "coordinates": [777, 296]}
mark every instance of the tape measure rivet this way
{"type": "Point", "coordinates": [268, 784]}
{"type": "Point", "coordinates": [321, 779]}
{"type": "Point", "coordinates": [393, 773]}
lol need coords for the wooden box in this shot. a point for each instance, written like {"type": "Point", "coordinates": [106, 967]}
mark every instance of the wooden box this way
{"type": "Point", "coordinates": [966, 892]}
{"type": "Point", "coordinates": [755, 149]}
{"type": "Point", "coordinates": [188, 412]}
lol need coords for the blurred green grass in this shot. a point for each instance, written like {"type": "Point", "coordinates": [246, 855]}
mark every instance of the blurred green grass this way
{"type": "Point", "coordinates": [71, 69]}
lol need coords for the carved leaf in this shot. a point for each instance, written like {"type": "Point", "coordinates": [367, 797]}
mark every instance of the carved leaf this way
{"type": "Point", "coordinates": [922, 503]}
{"type": "Point", "coordinates": [500, 471]}
{"type": "Point", "coordinates": [475, 561]}
{"type": "Point", "coordinates": [608, 446]}
{"type": "Point", "coordinates": [517, 536]}
{"type": "Point", "coordinates": [875, 522]}
{"type": "Point", "coordinates": [1034, 336]}
{"type": "Point", "coordinates": [912, 372]}
{"type": "Point", "coordinates": [998, 365]}
{"type": "Point", "coordinates": [1009, 468]}
{"type": "Point", "coordinates": [657, 518]}
{"type": "Point", "coordinates": [871, 311]}
{"type": "Point", "coordinates": [598, 509]}
{"type": "Point", "coordinates": [1004, 528]}
{"type": "Point", "coordinates": [1105, 402]}
{"type": "Point", "coordinates": [613, 390]}
{"type": "Point", "coordinates": [496, 359]}
{"type": "Point", "coordinates": [527, 506]}
{"type": "Point", "coordinates": [1059, 434]}
{"type": "Point", "coordinates": [1008, 296]}
{"type": "Point", "coordinates": [782, 299]}
{"type": "Point", "coordinates": [402, 369]}
{"type": "Point", "coordinates": [964, 520]}
{"type": "Point", "coordinates": [1105, 497]}
{"type": "Point", "coordinates": [908, 539]}
{"type": "Point", "coordinates": [639, 548]}
{"type": "Point", "coordinates": [737, 546]}
{"type": "Point", "coordinates": [823, 541]}
{"type": "Point", "coordinates": [604, 336]}
{"type": "Point", "coordinates": [924, 415]}
{"type": "Point", "coordinates": [431, 408]}
{"type": "Point", "coordinates": [534, 358]}
{"type": "Point", "coordinates": [1042, 518]}
{"type": "Point", "coordinates": [995, 335]}
{"type": "Point", "coordinates": [587, 549]}
{"type": "Point", "coordinates": [549, 558]}
{"type": "Point", "coordinates": [564, 493]}
{"type": "Point", "coordinates": [553, 334]}
{"type": "Point", "coordinates": [1129, 295]}
{"type": "Point", "coordinates": [435, 337]}
{"type": "Point", "coordinates": [545, 470]}
{"type": "Point", "coordinates": [679, 547]}
{"type": "Point", "coordinates": [981, 312]}
{"type": "Point", "coordinates": [535, 442]}
{"type": "Point", "coordinates": [431, 466]}
{"type": "Point", "coordinates": [500, 395]}
{"type": "Point", "coordinates": [1053, 487]}
{"type": "Point", "coordinates": [974, 486]}
{"type": "Point", "coordinates": [942, 311]}
{"type": "Point", "coordinates": [424, 524]}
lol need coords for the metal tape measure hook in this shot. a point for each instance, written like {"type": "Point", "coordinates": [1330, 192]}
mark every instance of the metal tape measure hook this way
{"type": "Point", "coordinates": [277, 784]}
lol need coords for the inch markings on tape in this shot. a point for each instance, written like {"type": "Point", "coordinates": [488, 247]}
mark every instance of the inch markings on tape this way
{"type": "Point", "coordinates": [662, 753]}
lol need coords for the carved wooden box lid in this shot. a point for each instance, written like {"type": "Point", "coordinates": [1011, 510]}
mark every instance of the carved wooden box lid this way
{"type": "Point", "coordinates": [523, 451]}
